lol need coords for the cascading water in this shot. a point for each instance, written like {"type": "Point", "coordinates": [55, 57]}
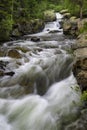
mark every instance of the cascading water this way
{"type": "Point", "coordinates": [44, 69]}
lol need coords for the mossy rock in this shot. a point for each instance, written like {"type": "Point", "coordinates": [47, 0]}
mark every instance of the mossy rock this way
{"type": "Point", "coordinates": [37, 25]}
{"type": "Point", "coordinates": [49, 16]}
{"type": "Point", "coordinates": [23, 49]}
{"type": "Point", "coordinates": [13, 53]}
{"type": "Point", "coordinates": [64, 11]}
{"type": "Point", "coordinates": [66, 15]}
{"type": "Point", "coordinates": [73, 18]}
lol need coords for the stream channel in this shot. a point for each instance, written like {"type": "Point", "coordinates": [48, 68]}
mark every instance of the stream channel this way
{"type": "Point", "coordinates": [42, 93]}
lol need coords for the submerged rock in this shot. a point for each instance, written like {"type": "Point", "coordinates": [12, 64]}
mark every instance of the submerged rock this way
{"type": "Point", "coordinates": [35, 39]}
{"type": "Point", "coordinates": [3, 73]}
{"type": "Point", "coordinates": [9, 73]}
{"type": "Point", "coordinates": [34, 78]}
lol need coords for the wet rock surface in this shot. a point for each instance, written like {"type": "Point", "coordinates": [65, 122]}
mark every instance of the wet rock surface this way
{"type": "Point", "coordinates": [35, 39]}
{"type": "Point", "coordinates": [14, 53]}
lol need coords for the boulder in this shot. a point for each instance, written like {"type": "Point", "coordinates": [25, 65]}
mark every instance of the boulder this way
{"type": "Point", "coordinates": [64, 11]}
{"type": "Point", "coordinates": [66, 15]}
{"type": "Point", "coordinates": [10, 73]}
{"type": "Point", "coordinates": [36, 25]}
{"type": "Point", "coordinates": [82, 25]}
{"type": "Point", "coordinates": [35, 39]}
{"type": "Point", "coordinates": [49, 16]}
{"type": "Point", "coordinates": [80, 72]}
{"type": "Point", "coordinates": [70, 27]}
{"type": "Point", "coordinates": [81, 42]}
{"type": "Point", "coordinates": [27, 27]}
{"type": "Point", "coordinates": [13, 53]}
{"type": "Point", "coordinates": [80, 64]}
{"type": "Point", "coordinates": [73, 26]}
{"type": "Point", "coordinates": [73, 18]}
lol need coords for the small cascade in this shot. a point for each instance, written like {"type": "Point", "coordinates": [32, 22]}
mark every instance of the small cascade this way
{"type": "Point", "coordinates": [54, 26]}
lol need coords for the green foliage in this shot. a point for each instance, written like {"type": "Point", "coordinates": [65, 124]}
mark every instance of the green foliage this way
{"type": "Point", "coordinates": [5, 29]}
{"type": "Point", "coordinates": [5, 19]}
{"type": "Point", "coordinates": [84, 96]}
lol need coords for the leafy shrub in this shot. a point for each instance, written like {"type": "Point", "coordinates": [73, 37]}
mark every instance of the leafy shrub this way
{"type": "Point", "coordinates": [5, 29]}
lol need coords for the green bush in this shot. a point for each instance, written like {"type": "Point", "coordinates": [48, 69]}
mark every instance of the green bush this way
{"type": "Point", "coordinates": [5, 29]}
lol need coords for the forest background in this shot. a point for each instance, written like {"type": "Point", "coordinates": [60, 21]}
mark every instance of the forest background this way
{"type": "Point", "coordinates": [13, 12]}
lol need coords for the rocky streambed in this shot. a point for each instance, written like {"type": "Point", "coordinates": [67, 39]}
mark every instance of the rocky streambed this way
{"type": "Point", "coordinates": [37, 84]}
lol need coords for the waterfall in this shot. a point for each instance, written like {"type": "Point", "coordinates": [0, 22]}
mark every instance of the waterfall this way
{"type": "Point", "coordinates": [46, 70]}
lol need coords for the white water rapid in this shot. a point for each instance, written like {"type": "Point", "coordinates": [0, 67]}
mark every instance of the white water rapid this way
{"type": "Point", "coordinates": [44, 69]}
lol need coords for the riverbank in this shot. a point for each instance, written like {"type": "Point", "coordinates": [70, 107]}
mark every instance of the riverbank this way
{"type": "Point", "coordinates": [77, 29]}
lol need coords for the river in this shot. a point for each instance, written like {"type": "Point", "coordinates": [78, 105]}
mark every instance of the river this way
{"type": "Point", "coordinates": [43, 93]}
